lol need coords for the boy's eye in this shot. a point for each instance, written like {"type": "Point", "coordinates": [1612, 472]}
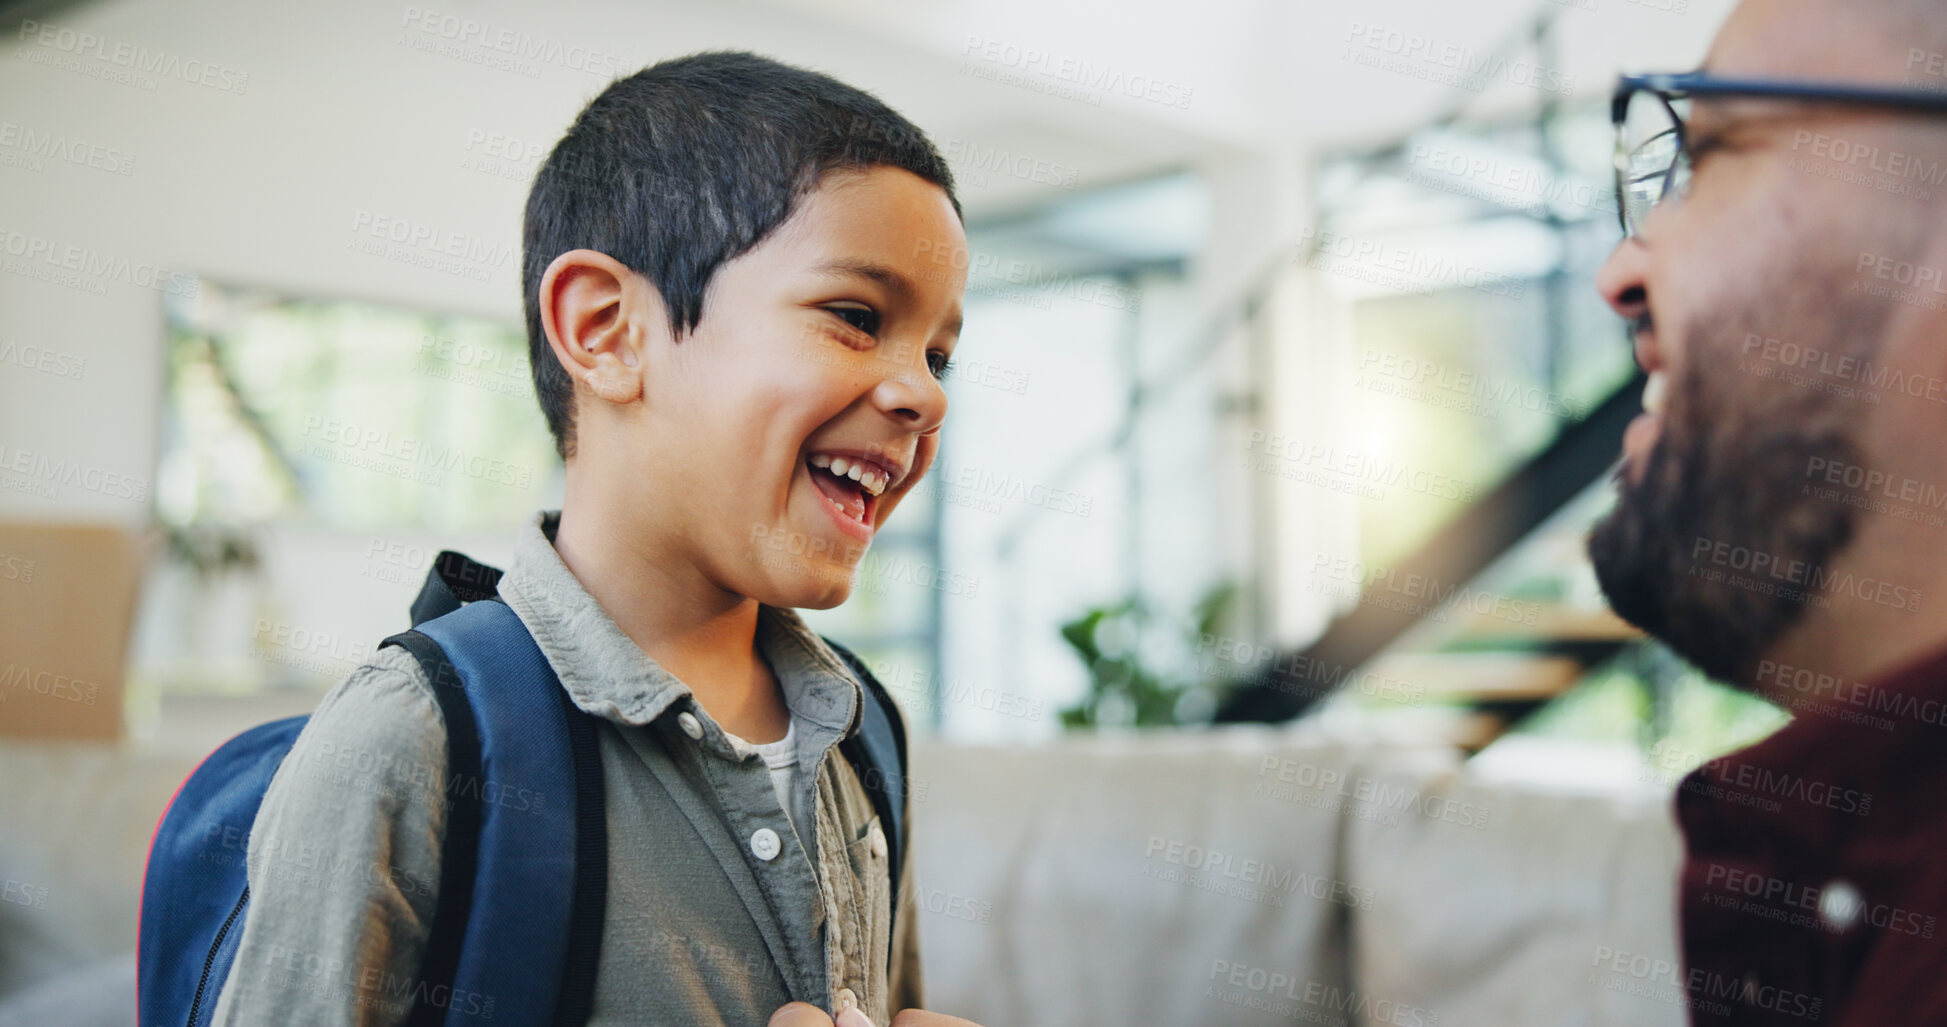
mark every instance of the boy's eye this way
{"type": "Point", "coordinates": [865, 319]}
{"type": "Point", "coordinates": [939, 363]}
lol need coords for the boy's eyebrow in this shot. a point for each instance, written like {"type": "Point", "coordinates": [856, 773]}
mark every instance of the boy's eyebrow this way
{"type": "Point", "coordinates": [891, 278]}
{"type": "Point", "coordinates": [895, 282]}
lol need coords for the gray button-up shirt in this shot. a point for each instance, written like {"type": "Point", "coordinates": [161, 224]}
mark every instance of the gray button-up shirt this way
{"type": "Point", "coordinates": [701, 928]}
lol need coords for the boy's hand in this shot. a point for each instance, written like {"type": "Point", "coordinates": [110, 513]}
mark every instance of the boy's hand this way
{"type": "Point", "coordinates": [799, 1014]}
{"type": "Point", "coordinates": [922, 1018]}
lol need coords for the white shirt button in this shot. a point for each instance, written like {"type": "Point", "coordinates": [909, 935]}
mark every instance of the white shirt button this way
{"type": "Point", "coordinates": [845, 998]}
{"type": "Point", "coordinates": [878, 842]}
{"type": "Point", "coordinates": [764, 844]}
{"type": "Point", "coordinates": [690, 725]}
{"type": "Point", "coordinates": [1840, 905]}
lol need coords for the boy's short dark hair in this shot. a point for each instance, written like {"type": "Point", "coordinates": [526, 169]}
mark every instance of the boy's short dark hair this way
{"type": "Point", "coordinates": [687, 164]}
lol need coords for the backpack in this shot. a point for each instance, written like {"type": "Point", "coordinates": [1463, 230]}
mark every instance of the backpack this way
{"type": "Point", "coordinates": [516, 908]}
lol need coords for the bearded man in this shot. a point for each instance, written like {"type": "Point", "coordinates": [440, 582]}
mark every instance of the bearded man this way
{"type": "Point", "coordinates": [1782, 512]}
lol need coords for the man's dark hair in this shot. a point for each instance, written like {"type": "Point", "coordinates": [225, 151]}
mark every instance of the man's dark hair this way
{"type": "Point", "coordinates": [687, 164]}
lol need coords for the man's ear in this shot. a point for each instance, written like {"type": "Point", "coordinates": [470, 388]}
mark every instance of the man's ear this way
{"type": "Point", "coordinates": [592, 310]}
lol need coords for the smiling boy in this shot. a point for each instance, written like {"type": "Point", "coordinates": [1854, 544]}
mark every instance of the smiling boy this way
{"type": "Point", "coordinates": [741, 295]}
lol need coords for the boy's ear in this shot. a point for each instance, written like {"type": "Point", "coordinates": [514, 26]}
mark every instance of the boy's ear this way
{"type": "Point", "coordinates": [592, 310]}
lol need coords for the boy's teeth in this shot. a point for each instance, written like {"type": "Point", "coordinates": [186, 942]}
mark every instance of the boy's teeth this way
{"type": "Point", "coordinates": [870, 477]}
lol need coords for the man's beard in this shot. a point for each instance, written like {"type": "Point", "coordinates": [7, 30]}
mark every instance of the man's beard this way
{"type": "Point", "coordinates": [1742, 482]}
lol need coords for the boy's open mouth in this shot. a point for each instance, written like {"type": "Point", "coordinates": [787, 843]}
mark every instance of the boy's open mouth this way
{"type": "Point", "coordinates": [850, 484]}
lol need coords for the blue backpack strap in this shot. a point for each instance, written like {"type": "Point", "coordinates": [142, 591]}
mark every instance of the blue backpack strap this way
{"type": "Point", "coordinates": [538, 904]}
{"type": "Point", "coordinates": [195, 888]}
{"type": "Point", "coordinates": [877, 750]}
{"type": "Point", "coordinates": [533, 902]}
{"type": "Point", "coordinates": [460, 845]}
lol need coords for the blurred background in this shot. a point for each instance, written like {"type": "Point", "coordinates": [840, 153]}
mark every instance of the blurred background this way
{"type": "Point", "coordinates": [1285, 397]}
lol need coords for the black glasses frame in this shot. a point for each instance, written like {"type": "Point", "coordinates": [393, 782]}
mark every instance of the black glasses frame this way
{"type": "Point", "coordinates": [1668, 87]}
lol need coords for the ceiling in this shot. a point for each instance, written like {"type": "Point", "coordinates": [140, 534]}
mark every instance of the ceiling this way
{"type": "Point", "coordinates": [1234, 76]}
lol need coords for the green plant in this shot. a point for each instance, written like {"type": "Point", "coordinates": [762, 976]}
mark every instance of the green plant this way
{"type": "Point", "coordinates": [1132, 683]}
{"type": "Point", "coordinates": [210, 549]}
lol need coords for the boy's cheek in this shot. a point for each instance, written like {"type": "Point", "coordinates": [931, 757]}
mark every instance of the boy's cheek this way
{"type": "Point", "coordinates": [923, 454]}
{"type": "Point", "coordinates": [922, 462]}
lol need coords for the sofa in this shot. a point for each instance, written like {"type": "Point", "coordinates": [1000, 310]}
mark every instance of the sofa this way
{"type": "Point", "coordinates": [1243, 875]}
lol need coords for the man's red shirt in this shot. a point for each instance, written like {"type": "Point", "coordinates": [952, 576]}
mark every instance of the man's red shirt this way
{"type": "Point", "coordinates": [1814, 884]}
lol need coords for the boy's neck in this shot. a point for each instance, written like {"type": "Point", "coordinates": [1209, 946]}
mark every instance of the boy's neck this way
{"type": "Point", "coordinates": [704, 636]}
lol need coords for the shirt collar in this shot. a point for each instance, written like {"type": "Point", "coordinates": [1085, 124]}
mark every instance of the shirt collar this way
{"type": "Point", "coordinates": [1860, 758]}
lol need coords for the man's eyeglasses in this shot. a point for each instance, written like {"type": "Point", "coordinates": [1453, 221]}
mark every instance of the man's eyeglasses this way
{"type": "Point", "coordinates": [1649, 111]}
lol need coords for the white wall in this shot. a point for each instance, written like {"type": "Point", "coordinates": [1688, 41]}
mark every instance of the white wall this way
{"type": "Point", "coordinates": [261, 144]}
{"type": "Point", "coordinates": [337, 115]}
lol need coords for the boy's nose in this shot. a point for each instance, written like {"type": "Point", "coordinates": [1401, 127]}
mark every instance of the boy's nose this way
{"type": "Point", "coordinates": [916, 401]}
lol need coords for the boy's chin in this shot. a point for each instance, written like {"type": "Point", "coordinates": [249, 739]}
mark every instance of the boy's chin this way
{"type": "Point", "coordinates": [809, 592]}
{"type": "Point", "coordinates": [824, 602]}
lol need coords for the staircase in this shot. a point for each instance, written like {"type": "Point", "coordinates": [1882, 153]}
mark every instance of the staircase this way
{"type": "Point", "coordinates": [1494, 667]}
{"type": "Point", "coordinates": [1474, 675]}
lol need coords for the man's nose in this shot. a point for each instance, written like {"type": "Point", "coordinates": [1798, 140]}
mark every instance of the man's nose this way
{"type": "Point", "coordinates": [1623, 280]}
